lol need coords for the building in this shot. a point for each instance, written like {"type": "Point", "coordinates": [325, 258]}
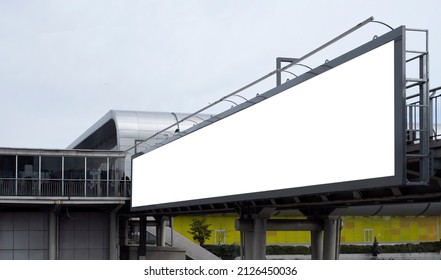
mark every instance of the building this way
{"type": "Point", "coordinates": [60, 204]}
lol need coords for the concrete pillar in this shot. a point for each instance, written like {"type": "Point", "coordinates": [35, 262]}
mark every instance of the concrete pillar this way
{"type": "Point", "coordinates": [259, 245]}
{"type": "Point", "coordinates": [253, 229]}
{"type": "Point", "coordinates": [241, 245]}
{"type": "Point", "coordinates": [246, 238]}
{"type": "Point", "coordinates": [52, 235]}
{"type": "Point", "coordinates": [142, 237]}
{"type": "Point", "coordinates": [247, 243]}
{"type": "Point", "coordinates": [330, 241]}
{"type": "Point", "coordinates": [124, 231]}
{"type": "Point", "coordinates": [316, 245]}
{"type": "Point", "coordinates": [160, 231]}
{"type": "Point", "coordinates": [172, 240]}
{"type": "Point", "coordinates": [113, 236]}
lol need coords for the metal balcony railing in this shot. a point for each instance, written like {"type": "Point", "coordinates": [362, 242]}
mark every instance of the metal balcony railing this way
{"type": "Point", "coordinates": [64, 188]}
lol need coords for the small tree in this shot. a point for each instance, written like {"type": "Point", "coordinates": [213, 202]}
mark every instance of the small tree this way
{"type": "Point", "coordinates": [199, 230]}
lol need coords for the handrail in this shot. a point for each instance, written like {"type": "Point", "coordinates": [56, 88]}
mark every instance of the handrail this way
{"type": "Point", "coordinates": [435, 105]}
{"type": "Point", "coordinates": [36, 187]}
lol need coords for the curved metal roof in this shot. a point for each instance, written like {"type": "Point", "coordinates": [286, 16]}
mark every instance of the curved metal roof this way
{"type": "Point", "coordinates": [119, 129]}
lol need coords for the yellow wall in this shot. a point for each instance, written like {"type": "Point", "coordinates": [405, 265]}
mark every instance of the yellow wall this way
{"type": "Point", "coordinates": [391, 229]}
{"type": "Point", "coordinates": [220, 222]}
{"type": "Point", "coordinates": [356, 230]}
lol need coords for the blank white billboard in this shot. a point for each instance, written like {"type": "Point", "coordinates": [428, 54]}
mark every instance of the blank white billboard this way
{"type": "Point", "coordinates": [339, 126]}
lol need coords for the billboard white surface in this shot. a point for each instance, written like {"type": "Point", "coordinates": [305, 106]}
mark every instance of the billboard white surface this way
{"type": "Point", "coordinates": [338, 126]}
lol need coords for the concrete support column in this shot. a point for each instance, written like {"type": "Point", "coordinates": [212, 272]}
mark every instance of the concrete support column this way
{"type": "Point", "coordinates": [142, 237]}
{"type": "Point", "coordinates": [259, 245]}
{"type": "Point", "coordinates": [247, 242]}
{"type": "Point", "coordinates": [160, 231]}
{"type": "Point", "coordinates": [52, 235]}
{"type": "Point", "coordinates": [253, 229]}
{"type": "Point", "coordinates": [113, 236]}
{"type": "Point", "coordinates": [124, 231]}
{"type": "Point", "coordinates": [332, 234]}
{"type": "Point", "coordinates": [172, 240]}
{"type": "Point", "coordinates": [242, 244]}
{"type": "Point", "coordinates": [316, 245]}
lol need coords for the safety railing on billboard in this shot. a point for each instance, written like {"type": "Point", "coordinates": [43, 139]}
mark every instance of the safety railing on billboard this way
{"type": "Point", "coordinates": [435, 106]}
{"type": "Point", "coordinates": [413, 119]}
{"type": "Point", "coordinates": [64, 188]}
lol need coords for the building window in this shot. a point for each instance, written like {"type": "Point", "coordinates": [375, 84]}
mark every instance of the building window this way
{"type": "Point", "coordinates": [28, 174]}
{"type": "Point", "coordinates": [7, 175]}
{"type": "Point", "coordinates": [7, 167]}
{"type": "Point", "coordinates": [74, 168]}
{"type": "Point", "coordinates": [96, 169]}
{"type": "Point", "coordinates": [116, 169]}
{"type": "Point", "coordinates": [51, 168]}
{"type": "Point", "coordinates": [96, 175]}
{"type": "Point", "coordinates": [51, 175]}
{"type": "Point", "coordinates": [368, 235]}
{"type": "Point", "coordinates": [28, 167]}
{"type": "Point", "coordinates": [220, 236]}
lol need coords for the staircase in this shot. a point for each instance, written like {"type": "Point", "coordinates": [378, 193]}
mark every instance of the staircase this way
{"type": "Point", "coordinates": [193, 250]}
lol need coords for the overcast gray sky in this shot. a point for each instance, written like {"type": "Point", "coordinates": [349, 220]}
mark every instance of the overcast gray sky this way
{"type": "Point", "coordinates": [64, 64]}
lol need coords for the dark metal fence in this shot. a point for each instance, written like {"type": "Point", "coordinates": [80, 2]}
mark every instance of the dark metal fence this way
{"type": "Point", "coordinates": [60, 188]}
{"type": "Point", "coordinates": [413, 116]}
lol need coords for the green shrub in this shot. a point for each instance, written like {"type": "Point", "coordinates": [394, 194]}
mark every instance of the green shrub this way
{"type": "Point", "coordinates": [230, 252]}
{"type": "Point", "coordinates": [423, 247]}
{"type": "Point", "coordinates": [225, 252]}
{"type": "Point", "coordinates": [356, 249]}
{"type": "Point", "coordinates": [287, 250]}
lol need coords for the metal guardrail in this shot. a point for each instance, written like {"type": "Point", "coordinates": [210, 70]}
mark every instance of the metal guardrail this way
{"type": "Point", "coordinates": [413, 112]}
{"type": "Point", "coordinates": [435, 107]}
{"type": "Point", "coordinates": [64, 188]}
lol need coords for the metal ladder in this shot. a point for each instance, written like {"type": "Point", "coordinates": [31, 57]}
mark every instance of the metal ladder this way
{"type": "Point", "coordinates": [419, 127]}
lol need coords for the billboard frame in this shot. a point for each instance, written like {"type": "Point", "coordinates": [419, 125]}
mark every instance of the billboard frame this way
{"type": "Point", "coordinates": [398, 37]}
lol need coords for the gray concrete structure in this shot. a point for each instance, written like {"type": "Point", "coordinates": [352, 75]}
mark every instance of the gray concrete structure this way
{"type": "Point", "coordinates": [60, 204]}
